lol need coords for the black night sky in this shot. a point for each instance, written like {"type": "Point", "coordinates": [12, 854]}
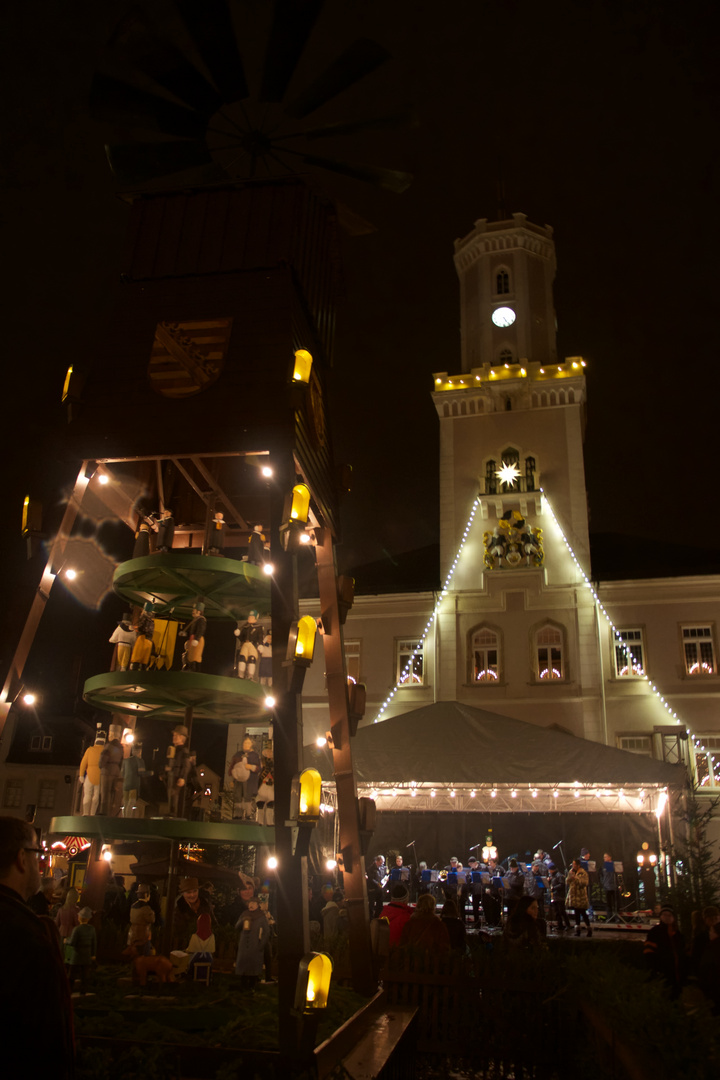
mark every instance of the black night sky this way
{"type": "Point", "coordinates": [601, 120]}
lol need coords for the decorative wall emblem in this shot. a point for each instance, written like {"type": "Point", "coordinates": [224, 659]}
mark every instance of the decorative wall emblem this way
{"type": "Point", "coordinates": [513, 543]}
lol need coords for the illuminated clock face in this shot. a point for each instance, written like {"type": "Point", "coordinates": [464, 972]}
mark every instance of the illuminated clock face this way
{"type": "Point", "coordinates": [503, 316]}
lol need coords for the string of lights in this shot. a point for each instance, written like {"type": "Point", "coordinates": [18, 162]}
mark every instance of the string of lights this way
{"type": "Point", "coordinates": [618, 638]}
{"type": "Point", "coordinates": [428, 626]}
{"type": "Point", "coordinates": [620, 644]}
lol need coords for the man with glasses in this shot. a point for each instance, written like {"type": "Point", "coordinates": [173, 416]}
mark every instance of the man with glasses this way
{"type": "Point", "coordinates": [35, 1003]}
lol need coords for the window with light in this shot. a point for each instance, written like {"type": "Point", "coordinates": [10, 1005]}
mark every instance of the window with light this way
{"type": "Point", "coordinates": [409, 663]}
{"type": "Point", "coordinates": [549, 643]}
{"type": "Point", "coordinates": [630, 655]}
{"type": "Point", "coordinates": [485, 656]}
{"type": "Point", "coordinates": [699, 651]}
{"type": "Point", "coordinates": [707, 761]}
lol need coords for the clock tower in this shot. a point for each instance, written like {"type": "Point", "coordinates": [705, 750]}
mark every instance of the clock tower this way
{"type": "Point", "coordinates": [506, 271]}
{"type": "Point", "coordinates": [511, 456]}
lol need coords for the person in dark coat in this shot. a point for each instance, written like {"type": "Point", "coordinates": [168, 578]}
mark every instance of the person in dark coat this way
{"type": "Point", "coordinates": [254, 934]}
{"type": "Point", "coordinates": [454, 925]}
{"type": "Point", "coordinates": [664, 951]}
{"type": "Point", "coordinates": [191, 902]}
{"type": "Point", "coordinates": [165, 531]}
{"type": "Point", "coordinates": [524, 930]}
{"type": "Point", "coordinates": [35, 1003]}
{"type": "Point", "coordinates": [245, 791]}
{"type": "Point", "coordinates": [111, 761]}
{"type": "Point", "coordinates": [424, 930]}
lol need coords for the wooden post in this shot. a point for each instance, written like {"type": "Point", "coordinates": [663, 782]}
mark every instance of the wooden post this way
{"type": "Point", "coordinates": [292, 898]}
{"type": "Point", "coordinates": [354, 881]}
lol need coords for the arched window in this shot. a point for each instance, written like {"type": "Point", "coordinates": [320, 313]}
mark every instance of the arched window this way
{"type": "Point", "coordinates": [549, 653]}
{"type": "Point", "coordinates": [529, 473]}
{"type": "Point", "coordinates": [505, 356]}
{"type": "Point", "coordinates": [485, 652]}
{"type": "Point", "coordinates": [502, 282]}
{"type": "Point", "coordinates": [510, 456]}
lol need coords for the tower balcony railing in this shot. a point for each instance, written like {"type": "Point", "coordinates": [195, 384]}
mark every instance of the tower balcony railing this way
{"type": "Point", "coordinates": [570, 368]}
{"type": "Point", "coordinates": [524, 485]}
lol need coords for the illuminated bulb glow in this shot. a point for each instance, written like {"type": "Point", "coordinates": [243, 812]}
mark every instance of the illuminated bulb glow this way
{"type": "Point", "coordinates": [272, 863]}
{"type": "Point", "coordinates": [71, 574]}
{"type": "Point", "coordinates": [596, 598]}
{"type": "Point", "coordinates": [269, 702]}
{"type": "Point", "coordinates": [405, 676]}
{"type": "Point", "coordinates": [266, 471]}
{"type": "Point", "coordinates": [103, 478]}
{"type": "Point", "coordinates": [303, 806]}
{"type": "Point", "coordinates": [310, 992]}
{"type": "Point", "coordinates": [29, 699]}
{"type": "Point", "coordinates": [268, 569]}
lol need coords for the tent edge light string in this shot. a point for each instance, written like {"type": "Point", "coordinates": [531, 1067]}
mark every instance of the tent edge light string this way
{"type": "Point", "coordinates": [697, 744]}
{"type": "Point", "coordinates": [429, 624]}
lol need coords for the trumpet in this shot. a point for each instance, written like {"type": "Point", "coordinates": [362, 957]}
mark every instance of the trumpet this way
{"type": "Point", "coordinates": [442, 876]}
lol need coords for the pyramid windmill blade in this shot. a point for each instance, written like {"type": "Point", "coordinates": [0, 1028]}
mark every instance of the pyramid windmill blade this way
{"type": "Point", "coordinates": [362, 57]}
{"type": "Point", "coordinates": [118, 102]}
{"type": "Point", "coordinates": [389, 179]}
{"type": "Point", "coordinates": [293, 22]}
{"type": "Point", "coordinates": [137, 163]}
{"type": "Point", "coordinates": [213, 34]}
{"type": "Point", "coordinates": [139, 48]}
{"type": "Point", "coordinates": [355, 127]}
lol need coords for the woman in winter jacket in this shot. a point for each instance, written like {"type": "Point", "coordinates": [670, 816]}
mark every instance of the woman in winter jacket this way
{"type": "Point", "coordinates": [577, 897]}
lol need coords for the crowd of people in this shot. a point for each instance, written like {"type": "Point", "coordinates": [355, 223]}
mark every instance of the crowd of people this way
{"type": "Point", "coordinates": [51, 942]}
{"type": "Point", "coordinates": [493, 890]}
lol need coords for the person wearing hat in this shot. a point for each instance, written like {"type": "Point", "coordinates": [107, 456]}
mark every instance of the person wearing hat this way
{"type": "Point", "coordinates": [194, 631]}
{"type": "Point", "coordinates": [133, 769]}
{"type": "Point", "coordinates": [398, 911]}
{"type": "Point", "coordinates": [142, 918]}
{"type": "Point", "coordinates": [177, 769]}
{"type": "Point", "coordinates": [90, 775]}
{"type": "Point", "coordinates": [191, 902]}
{"type": "Point", "coordinates": [248, 637]}
{"type": "Point", "coordinates": [123, 637]}
{"type": "Point", "coordinates": [256, 547]}
{"type": "Point", "coordinates": [215, 536]}
{"type": "Point", "coordinates": [142, 649]}
{"type": "Point", "coordinates": [665, 953]}
{"type": "Point", "coordinates": [246, 763]}
{"type": "Point", "coordinates": [165, 531]}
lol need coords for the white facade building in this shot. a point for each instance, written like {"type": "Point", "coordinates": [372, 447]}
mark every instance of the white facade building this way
{"type": "Point", "coordinates": [519, 629]}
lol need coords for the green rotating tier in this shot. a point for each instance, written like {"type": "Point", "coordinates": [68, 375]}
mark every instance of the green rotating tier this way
{"type": "Point", "coordinates": [167, 694]}
{"type": "Point", "coordinates": [175, 580]}
{"type": "Point", "coordinates": [108, 828]}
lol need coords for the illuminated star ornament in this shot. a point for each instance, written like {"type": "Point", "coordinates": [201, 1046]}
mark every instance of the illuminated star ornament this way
{"type": "Point", "coordinates": [508, 473]}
